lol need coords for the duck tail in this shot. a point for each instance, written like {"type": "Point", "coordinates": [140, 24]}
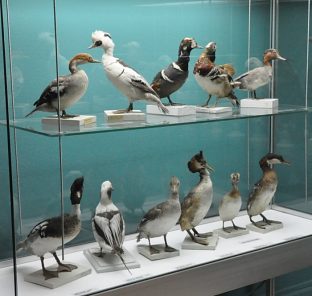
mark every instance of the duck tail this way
{"type": "Point", "coordinates": [31, 112]}
{"type": "Point", "coordinates": [162, 107]}
{"type": "Point", "coordinates": [20, 245]}
{"type": "Point", "coordinates": [230, 70]}
{"type": "Point", "coordinates": [123, 262]}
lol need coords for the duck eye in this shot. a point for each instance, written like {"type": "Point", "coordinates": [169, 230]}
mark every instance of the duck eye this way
{"type": "Point", "coordinates": [98, 43]}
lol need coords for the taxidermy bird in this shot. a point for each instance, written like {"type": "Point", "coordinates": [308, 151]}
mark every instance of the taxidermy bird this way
{"type": "Point", "coordinates": [169, 80]}
{"type": "Point", "coordinates": [216, 80]}
{"type": "Point", "coordinates": [196, 204]}
{"type": "Point", "coordinates": [264, 190]}
{"type": "Point", "coordinates": [160, 219]}
{"type": "Point", "coordinates": [46, 236]}
{"type": "Point", "coordinates": [125, 79]}
{"type": "Point", "coordinates": [70, 88]}
{"type": "Point", "coordinates": [260, 76]}
{"type": "Point", "coordinates": [231, 203]}
{"type": "Point", "coordinates": [108, 225]}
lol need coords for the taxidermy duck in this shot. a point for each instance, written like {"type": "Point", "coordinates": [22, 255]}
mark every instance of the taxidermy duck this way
{"type": "Point", "coordinates": [231, 203]}
{"type": "Point", "coordinates": [216, 80]}
{"type": "Point", "coordinates": [160, 219]}
{"type": "Point", "coordinates": [70, 88]}
{"type": "Point", "coordinates": [46, 236]}
{"type": "Point", "coordinates": [196, 204]}
{"type": "Point", "coordinates": [169, 80]}
{"type": "Point", "coordinates": [264, 190]}
{"type": "Point", "coordinates": [260, 76]}
{"type": "Point", "coordinates": [133, 85]}
{"type": "Point", "coordinates": [108, 225]}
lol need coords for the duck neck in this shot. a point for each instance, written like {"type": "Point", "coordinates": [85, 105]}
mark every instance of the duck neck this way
{"type": "Point", "coordinates": [234, 187]}
{"type": "Point", "coordinates": [183, 60]}
{"type": "Point", "coordinates": [211, 56]}
{"type": "Point", "coordinates": [73, 66]}
{"type": "Point", "coordinates": [267, 61]}
{"type": "Point", "coordinates": [204, 175]}
{"type": "Point", "coordinates": [175, 195]}
{"type": "Point", "coordinates": [109, 51]}
{"type": "Point", "coordinates": [76, 211]}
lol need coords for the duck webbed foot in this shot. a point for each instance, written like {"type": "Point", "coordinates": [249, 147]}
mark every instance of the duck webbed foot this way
{"type": "Point", "coordinates": [268, 221]}
{"type": "Point", "coordinates": [167, 247]}
{"type": "Point", "coordinates": [197, 239]}
{"type": "Point", "coordinates": [48, 274]}
{"type": "Point", "coordinates": [63, 267]}
{"type": "Point", "coordinates": [151, 248]}
{"type": "Point", "coordinates": [65, 115]}
{"type": "Point", "coordinates": [122, 111]}
{"type": "Point", "coordinates": [171, 103]}
{"type": "Point", "coordinates": [257, 224]}
{"type": "Point", "coordinates": [203, 235]}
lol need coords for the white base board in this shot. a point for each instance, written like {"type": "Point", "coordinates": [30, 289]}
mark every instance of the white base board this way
{"type": "Point", "coordinates": [213, 110]}
{"type": "Point", "coordinates": [189, 244]}
{"type": "Point", "coordinates": [232, 232]}
{"type": "Point", "coordinates": [77, 121]}
{"type": "Point", "coordinates": [110, 262]}
{"type": "Point", "coordinates": [259, 103]}
{"type": "Point", "coordinates": [134, 115]}
{"type": "Point", "coordinates": [268, 228]}
{"type": "Point", "coordinates": [62, 279]}
{"type": "Point", "coordinates": [145, 251]}
{"type": "Point", "coordinates": [182, 110]}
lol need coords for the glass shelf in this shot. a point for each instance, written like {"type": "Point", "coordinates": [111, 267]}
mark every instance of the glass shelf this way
{"type": "Point", "coordinates": [151, 121]}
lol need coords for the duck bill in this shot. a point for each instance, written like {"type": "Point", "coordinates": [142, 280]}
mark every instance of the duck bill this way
{"type": "Point", "coordinates": [199, 46]}
{"type": "Point", "coordinates": [286, 162]}
{"type": "Point", "coordinates": [281, 58]}
{"type": "Point", "coordinates": [92, 46]}
{"type": "Point", "coordinates": [96, 61]}
{"type": "Point", "coordinates": [209, 168]}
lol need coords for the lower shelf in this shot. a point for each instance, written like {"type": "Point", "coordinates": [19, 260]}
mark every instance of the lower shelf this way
{"type": "Point", "coordinates": [236, 262]}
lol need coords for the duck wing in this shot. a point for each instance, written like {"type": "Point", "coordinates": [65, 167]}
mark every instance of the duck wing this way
{"type": "Point", "coordinates": [50, 93]}
{"type": "Point", "coordinates": [152, 214]}
{"type": "Point", "coordinates": [255, 191]}
{"type": "Point", "coordinates": [110, 227]}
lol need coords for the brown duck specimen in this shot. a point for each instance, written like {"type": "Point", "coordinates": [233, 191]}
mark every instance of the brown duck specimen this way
{"type": "Point", "coordinates": [216, 80]}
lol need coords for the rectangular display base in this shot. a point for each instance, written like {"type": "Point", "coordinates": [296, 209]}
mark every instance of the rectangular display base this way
{"type": "Point", "coordinates": [145, 251]}
{"type": "Point", "coordinates": [268, 228]}
{"type": "Point", "coordinates": [110, 262]}
{"type": "Point", "coordinates": [212, 240]}
{"type": "Point", "coordinates": [77, 121]}
{"type": "Point", "coordinates": [213, 110]}
{"type": "Point", "coordinates": [232, 232]}
{"type": "Point", "coordinates": [182, 110]}
{"type": "Point", "coordinates": [134, 115]}
{"type": "Point", "coordinates": [259, 103]}
{"type": "Point", "coordinates": [63, 278]}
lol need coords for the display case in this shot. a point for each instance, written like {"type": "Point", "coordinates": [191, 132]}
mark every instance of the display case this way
{"type": "Point", "coordinates": [40, 161]}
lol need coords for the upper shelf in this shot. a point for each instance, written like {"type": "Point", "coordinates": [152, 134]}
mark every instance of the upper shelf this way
{"type": "Point", "coordinates": [34, 125]}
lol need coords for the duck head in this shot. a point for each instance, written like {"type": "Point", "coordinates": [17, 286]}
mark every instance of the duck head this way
{"type": "Point", "coordinates": [272, 158]}
{"type": "Point", "coordinates": [235, 178]}
{"type": "Point", "coordinates": [102, 39]}
{"type": "Point", "coordinates": [186, 46]}
{"type": "Point", "coordinates": [174, 185]}
{"type": "Point", "coordinates": [106, 192]}
{"type": "Point", "coordinates": [198, 163]}
{"type": "Point", "coordinates": [76, 191]}
{"type": "Point", "coordinates": [211, 47]}
{"type": "Point", "coordinates": [272, 54]}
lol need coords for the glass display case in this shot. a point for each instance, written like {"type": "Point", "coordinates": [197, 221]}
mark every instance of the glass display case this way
{"type": "Point", "coordinates": [40, 161]}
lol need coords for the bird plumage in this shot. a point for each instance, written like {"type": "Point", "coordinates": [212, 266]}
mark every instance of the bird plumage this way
{"type": "Point", "coordinates": [260, 76]}
{"type": "Point", "coordinates": [46, 236]}
{"type": "Point", "coordinates": [69, 88]}
{"type": "Point", "coordinates": [216, 80]}
{"type": "Point", "coordinates": [108, 224]}
{"type": "Point", "coordinates": [161, 218]}
{"type": "Point", "coordinates": [231, 202]}
{"type": "Point", "coordinates": [196, 204]}
{"type": "Point", "coordinates": [264, 190]}
{"type": "Point", "coordinates": [172, 78]}
{"type": "Point", "coordinates": [133, 85]}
